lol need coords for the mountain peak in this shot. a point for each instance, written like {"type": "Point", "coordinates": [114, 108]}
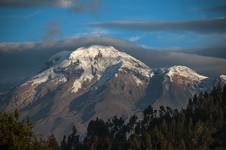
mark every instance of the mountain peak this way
{"type": "Point", "coordinates": [223, 79]}
{"type": "Point", "coordinates": [84, 68]}
{"type": "Point", "coordinates": [101, 57]}
{"type": "Point", "coordinates": [95, 60]}
{"type": "Point", "coordinates": [184, 71]}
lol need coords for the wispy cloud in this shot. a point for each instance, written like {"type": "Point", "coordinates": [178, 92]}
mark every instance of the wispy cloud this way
{"type": "Point", "coordinates": [91, 32]}
{"type": "Point", "coordinates": [67, 44]}
{"type": "Point", "coordinates": [216, 25]}
{"type": "Point", "coordinates": [26, 16]}
{"type": "Point", "coordinates": [135, 38]}
{"type": "Point", "coordinates": [99, 31]}
{"type": "Point", "coordinates": [75, 5]}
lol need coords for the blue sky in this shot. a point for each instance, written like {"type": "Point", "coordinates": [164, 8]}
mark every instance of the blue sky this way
{"type": "Point", "coordinates": [38, 21]}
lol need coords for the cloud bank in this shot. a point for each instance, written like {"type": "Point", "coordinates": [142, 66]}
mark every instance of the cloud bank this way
{"type": "Point", "coordinates": [217, 25]}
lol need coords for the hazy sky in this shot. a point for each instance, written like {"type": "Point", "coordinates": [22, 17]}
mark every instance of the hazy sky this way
{"type": "Point", "coordinates": [150, 23]}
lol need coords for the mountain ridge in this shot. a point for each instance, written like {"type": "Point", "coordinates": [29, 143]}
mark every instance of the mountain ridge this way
{"type": "Point", "coordinates": [99, 81]}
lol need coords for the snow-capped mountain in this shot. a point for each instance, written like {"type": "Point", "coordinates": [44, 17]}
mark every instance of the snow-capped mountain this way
{"type": "Point", "coordinates": [98, 81]}
{"type": "Point", "coordinates": [85, 67]}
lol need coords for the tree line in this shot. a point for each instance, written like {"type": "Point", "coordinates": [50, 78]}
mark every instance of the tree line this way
{"type": "Point", "coordinates": [199, 126]}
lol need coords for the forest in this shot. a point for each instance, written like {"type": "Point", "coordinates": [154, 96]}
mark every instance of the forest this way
{"type": "Point", "coordinates": [199, 126]}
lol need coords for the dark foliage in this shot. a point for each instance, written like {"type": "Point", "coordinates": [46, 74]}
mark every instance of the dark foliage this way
{"type": "Point", "coordinates": [17, 135]}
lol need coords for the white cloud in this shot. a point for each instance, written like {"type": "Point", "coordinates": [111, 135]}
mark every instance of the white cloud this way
{"type": "Point", "coordinates": [95, 31]}
{"type": "Point", "coordinates": [99, 31]}
{"type": "Point", "coordinates": [135, 38]}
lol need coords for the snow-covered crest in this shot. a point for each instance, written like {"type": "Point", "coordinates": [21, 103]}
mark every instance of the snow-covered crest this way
{"type": "Point", "coordinates": [94, 61]}
{"type": "Point", "coordinates": [223, 79]}
{"type": "Point", "coordinates": [185, 72]}
{"type": "Point", "coordinates": [105, 56]}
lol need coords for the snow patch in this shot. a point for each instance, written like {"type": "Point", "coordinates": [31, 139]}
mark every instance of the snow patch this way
{"type": "Point", "coordinates": [137, 80]}
{"type": "Point", "coordinates": [61, 79]}
{"type": "Point", "coordinates": [43, 77]}
{"type": "Point", "coordinates": [76, 86]}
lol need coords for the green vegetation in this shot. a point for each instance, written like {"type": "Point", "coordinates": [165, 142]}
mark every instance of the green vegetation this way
{"type": "Point", "coordinates": [199, 126]}
{"type": "Point", "coordinates": [17, 134]}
